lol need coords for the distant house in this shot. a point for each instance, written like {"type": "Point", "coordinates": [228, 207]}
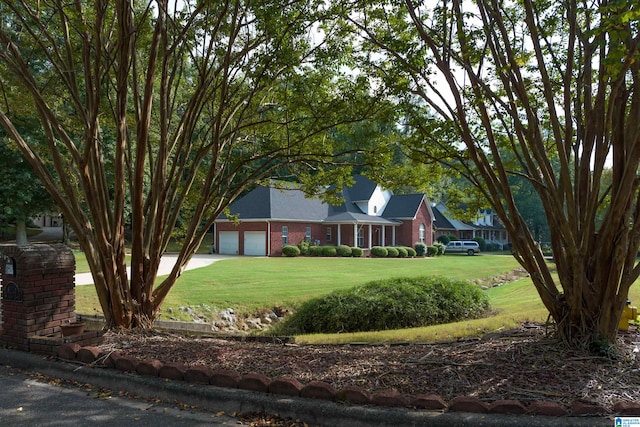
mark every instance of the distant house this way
{"type": "Point", "coordinates": [486, 225]}
{"type": "Point", "coordinates": [370, 215]}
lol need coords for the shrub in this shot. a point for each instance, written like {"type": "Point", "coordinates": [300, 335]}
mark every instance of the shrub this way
{"type": "Point", "coordinates": [379, 251]}
{"type": "Point", "coordinates": [411, 252]}
{"type": "Point", "coordinates": [392, 252]}
{"type": "Point", "coordinates": [357, 252]}
{"type": "Point", "coordinates": [492, 247]}
{"type": "Point", "coordinates": [432, 250]}
{"type": "Point", "coordinates": [315, 250]}
{"type": "Point", "coordinates": [329, 251]}
{"type": "Point", "coordinates": [402, 252]}
{"type": "Point", "coordinates": [482, 243]}
{"type": "Point", "coordinates": [388, 304]}
{"type": "Point", "coordinates": [343, 250]}
{"type": "Point", "coordinates": [421, 249]}
{"type": "Point", "coordinates": [290, 250]}
{"type": "Point", "coordinates": [444, 239]}
{"type": "Point", "coordinates": [441, 248]}
{"type": "Point", "coordinates": [304, 247]}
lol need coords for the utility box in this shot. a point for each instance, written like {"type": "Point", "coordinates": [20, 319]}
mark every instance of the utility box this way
{"type": "Point", "coordinates": [38, 294]}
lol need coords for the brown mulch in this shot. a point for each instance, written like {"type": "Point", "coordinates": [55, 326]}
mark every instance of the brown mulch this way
{"type": "Point", "coordinates": [524, 364]}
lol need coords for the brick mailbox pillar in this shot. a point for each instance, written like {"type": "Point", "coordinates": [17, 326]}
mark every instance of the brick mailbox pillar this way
{"type": "Point", "coordinates": [38, 293]}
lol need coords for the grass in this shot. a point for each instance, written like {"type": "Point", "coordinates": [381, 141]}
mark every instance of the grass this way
{"type": "Point", "coordinates": [251, 284]}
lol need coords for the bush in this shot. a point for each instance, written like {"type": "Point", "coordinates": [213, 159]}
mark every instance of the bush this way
{"type": "Point", "coordinates": [290, 250]}
{"type": "Point", "coordinates": [379, 251]}
{"type": "Point", "coordinates": [411, 252]}
{"type": "Point", "coordinates": [444, 239]}
{"type": "Point", "coordinates": [388, 304]}
{"type": "Point", "coordinates": [441, 248]}
{"type": "Point", "coordinates": [402, 252]}
{"type": "Point", "coordinates": [482, 243]}
{"type": "Point", "coordinates": [392, 252]}
{"type": "Point", "coordinates": [357, 252]}
{"type": "Point", "coordinates": [432, 250]}
{"type": "Point", "coordinates": [329, 251]}
{"type": "Point", "coordinates": [421, 249]}
{"type": "Point", "coordinates": [343, 250]}
{"type": "Point", "coordinates": [315, 250]}
{"type": "Point", "coordinates": [492, 247]}
{"type": "Point", "coordinates": [304, 248]}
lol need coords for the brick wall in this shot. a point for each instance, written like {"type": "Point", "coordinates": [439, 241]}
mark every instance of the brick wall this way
{"type": "Point", "coordinates": [39, 297]}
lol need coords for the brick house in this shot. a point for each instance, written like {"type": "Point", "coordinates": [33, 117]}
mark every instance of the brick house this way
{"type": "Point", "coordinates": [486, 225]}
{"type": "Point", "coordinates": [369, 216]}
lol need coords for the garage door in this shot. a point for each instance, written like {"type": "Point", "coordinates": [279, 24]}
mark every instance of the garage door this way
{"type": "Point", "coordinates": [255, 243]}
{"type": "Point", "coordinates": [228, 243]}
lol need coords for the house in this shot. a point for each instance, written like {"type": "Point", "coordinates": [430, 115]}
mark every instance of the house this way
{"type": "Point", "coordinates": [370, 215]}
{"type": "Point", "coordinates": [486, 225]}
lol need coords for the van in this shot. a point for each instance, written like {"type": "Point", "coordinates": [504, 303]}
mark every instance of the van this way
{"type": "Point", "coordinates": [470, 247]}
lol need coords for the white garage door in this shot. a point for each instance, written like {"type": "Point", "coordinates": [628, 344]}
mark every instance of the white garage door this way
{"type": "Point", "coordinates": [255, 243]}
{"type": "Point", "coordinates": [228, 243]}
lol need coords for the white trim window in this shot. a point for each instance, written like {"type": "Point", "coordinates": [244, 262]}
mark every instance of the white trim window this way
{"type": "Point", "coordinates": [423, 232]}
{"type": "Point", "coordinates": [329, 234]}
{"type": "Point", "coordinates": [361, 237]}
{"type": "Point", "coordinates": [307, 235]}
{"type": "Point", "coordinates": [285, 235]}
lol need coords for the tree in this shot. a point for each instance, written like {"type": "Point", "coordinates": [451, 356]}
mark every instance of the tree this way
{"type": "Point", "coordinates": [502, 89]}
{"type": "Point", "coordinates": [23, 196]}
{"type": "Point", "coordinates": [169, 114]}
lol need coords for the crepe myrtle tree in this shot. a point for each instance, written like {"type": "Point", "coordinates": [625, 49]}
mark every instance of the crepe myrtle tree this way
{"type": "Point", "coordinates": [545, 91]}
{"type": "Point", "coordinates": [169, 112]}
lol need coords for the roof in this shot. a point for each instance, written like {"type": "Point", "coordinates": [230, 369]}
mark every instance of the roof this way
{"type": "Point", "coordinates": [403, 206]}
{"type": "Point", "coordinates": [291, 204]}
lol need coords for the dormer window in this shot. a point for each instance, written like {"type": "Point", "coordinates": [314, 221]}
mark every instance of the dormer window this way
{"type": "Point", "coordinates": [375, 209]}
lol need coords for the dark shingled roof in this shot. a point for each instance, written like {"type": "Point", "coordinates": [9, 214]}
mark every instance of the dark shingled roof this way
{"type": "Point", "coordinates": [403, 206]}
{"type": "Point", "coordinates": [440, 222]}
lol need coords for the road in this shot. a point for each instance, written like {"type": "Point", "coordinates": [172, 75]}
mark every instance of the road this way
{"type": "Point", "coordinates": [38, 400]}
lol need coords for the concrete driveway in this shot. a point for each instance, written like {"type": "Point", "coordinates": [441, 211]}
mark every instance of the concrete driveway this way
{"type": "Point", "coordinates": [166, 264]}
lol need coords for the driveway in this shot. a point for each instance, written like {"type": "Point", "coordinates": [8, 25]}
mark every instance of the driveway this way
{"type": "Point", "coordinates": [166, 264]}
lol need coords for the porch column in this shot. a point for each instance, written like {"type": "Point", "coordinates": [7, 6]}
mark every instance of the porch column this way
{"type": "Point", "coordinates": [355, 235]}
{"type": "Point", "coordinates": [393, 235]}
{"type": "Point", "coordinates": [384, 240]}
{"type": "Point", "coordinates": [339, 235]}
{"type": "Point", "coordinates": [370, 236]}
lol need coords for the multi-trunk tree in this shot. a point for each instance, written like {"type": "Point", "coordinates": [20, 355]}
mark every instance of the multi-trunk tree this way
{"type": "Point", "coordinates": [543, 90]}
{"type": "Point", "coordinates": [156, 115]}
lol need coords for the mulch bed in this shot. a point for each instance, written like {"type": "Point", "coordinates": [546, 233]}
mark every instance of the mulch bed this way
{"type": "Point", "coordinates": [524, 364]}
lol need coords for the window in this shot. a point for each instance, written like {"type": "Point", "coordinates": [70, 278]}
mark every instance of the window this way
{"type": "Point", "coordinates": [375, 209]}
{"type": "Point", "coordinates": [361, 237]}
{"type": "Point", "coordinates": [285, 235]}
{"type": "Point", "coordinates": [328, 234]}
{"type": "Point", "coordinates": [307, 236]}
{"type": "Point", "coordinates": [422, 232]}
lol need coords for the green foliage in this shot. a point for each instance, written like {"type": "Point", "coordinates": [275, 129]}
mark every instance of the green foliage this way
{"type": "Point", "coordinates": [329, 251]}
{"type": "Point", "coordinates": [392, 252]}
{"type": "Point", "coordinates": [481, 243]}
{"type": "Point", "coordinates": [290, 250]}
{"type": "Point", "coordinates": [441, 247]}
{"type": "Point", "coordinates": [357, 252]}
{"type": "Point", "coordinates": [421, 249]}
{"type": "Point", "coordinates": [344, 250]}
{"type": "Point", "coordinates": [402, 252]}
{"type": "Point", "coordinates": [379, 251]}
{"type": "Point", "coordinates": [315, 250]}
{"type": "Point", "coordinates": [304, 248]}
{"type": "Point", "coordinates": [432, 250]}
{"type": "Point", "coordinates": [388, 304]}
{"type": "Point", "coordinates": [444, 239]}
{"type": "Point", "coordinates": [411, 252]}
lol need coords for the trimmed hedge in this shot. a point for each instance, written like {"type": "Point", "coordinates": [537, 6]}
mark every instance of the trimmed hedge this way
{"type": "Point", "coordinates": [421, 249]}
{"type": "Point", "coordinates": [290, 250]}
{"type": "Point", "coordinates": [402, 252]}
{"type": "Point", "coordinates": [357, 252]}
{"type": "Point", "coordinates": [388, 304]}
{"type": "Point", "coordinates": [432, 250]}
{"type": "Point", "coordinates": [379, 251]}
{"type": "Point", "coordinates": [392, 252]}
{"type": "Point", "coordinates": [315, 250]}
{"type": "Point", "coordinates": [343, 250]}
{"type": "Point", "coordinates": [329, 251]}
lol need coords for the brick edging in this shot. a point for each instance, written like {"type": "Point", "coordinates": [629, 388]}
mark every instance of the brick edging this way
{"type": "Point", "coordinates": [321, 390]}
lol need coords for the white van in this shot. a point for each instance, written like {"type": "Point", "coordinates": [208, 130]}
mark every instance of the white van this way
{"type": "Point", "coordinates": [470, 247]}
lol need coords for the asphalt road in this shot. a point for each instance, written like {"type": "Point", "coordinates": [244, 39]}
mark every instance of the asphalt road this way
{"type": "Point", "coordinates": [38, 400]}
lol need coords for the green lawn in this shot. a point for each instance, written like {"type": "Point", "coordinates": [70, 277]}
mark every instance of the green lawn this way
{"type": "Point", "coordinates": [250, 284]}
